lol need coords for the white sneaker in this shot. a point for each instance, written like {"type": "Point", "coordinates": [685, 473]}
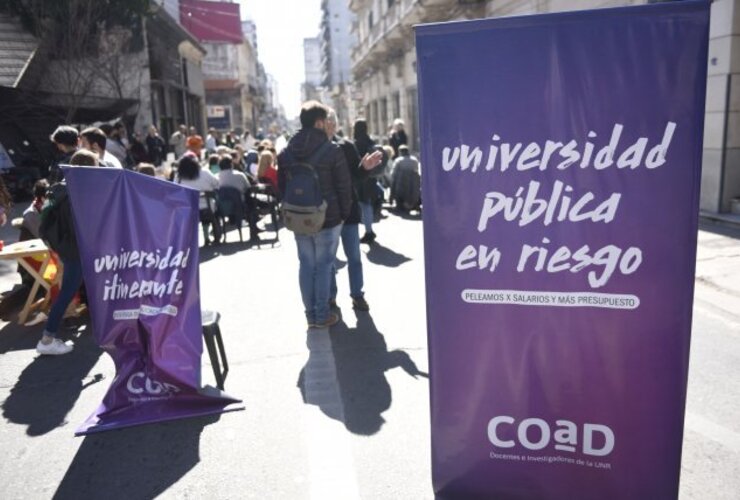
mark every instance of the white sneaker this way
{"type": "Point", "coordinates": [54, 348]}
{"type": "Point", "coordinates": [39, 318]}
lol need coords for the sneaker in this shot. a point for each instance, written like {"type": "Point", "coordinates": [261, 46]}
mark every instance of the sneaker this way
{"type": "Point", "coordinates": [332, 320]}
{"type": "Point", "coordinates": [360, 304]}
{"type": "Point", "coordinates": [54, 348]}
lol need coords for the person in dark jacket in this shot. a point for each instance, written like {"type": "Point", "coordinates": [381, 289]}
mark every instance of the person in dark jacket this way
{"type": "Point", "coordinates": [155, 146]}
{"type": "Point", "coordinates": [64, 243]}
{"type": "Point", "coordinates": [67, 140]}
{"type": "Point", "coordinates": [367, 188]}
{"type": "Point", "coordinates": [316, 252]}
{"type": "Point", "coordinates": [397, 137]}
{"type": "Point", "coordinates": [350, 236]}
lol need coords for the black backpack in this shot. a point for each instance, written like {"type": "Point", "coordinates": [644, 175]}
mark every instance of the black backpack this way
{"type": "Point", "coordinates": [303, 206]}
{"type": "Point", "coordinates": [57, 227]}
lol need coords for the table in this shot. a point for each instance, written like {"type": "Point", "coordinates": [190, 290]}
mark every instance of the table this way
{"type": "Point", "coordinates": [18, 251]}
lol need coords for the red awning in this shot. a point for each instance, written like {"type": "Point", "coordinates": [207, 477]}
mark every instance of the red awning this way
{"type": "Point", "coordinates": [212, 21]}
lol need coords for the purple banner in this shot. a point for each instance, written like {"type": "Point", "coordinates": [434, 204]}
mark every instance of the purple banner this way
{"type": "Point", "coordinates": [138, 240]}
{"type": "Point", "coordinates": [562, 158]}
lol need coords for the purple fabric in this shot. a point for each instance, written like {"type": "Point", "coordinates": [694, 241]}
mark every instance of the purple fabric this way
{"type": "Point", "coordinates": [563, 381]}
{"type": "Point", "coordinates": [139, 248]}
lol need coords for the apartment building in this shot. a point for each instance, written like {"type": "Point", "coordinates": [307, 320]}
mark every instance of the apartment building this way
{"type": "Point", "coordinates": [384, 72]}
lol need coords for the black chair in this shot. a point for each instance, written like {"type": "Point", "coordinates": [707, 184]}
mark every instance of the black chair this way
{"type": "Point", "coordinates": [267, 202]}
{"type": "Point", "coordinates": [231, 207]}
{"type": "Point", "coordinates": [212, 337]}
{"type": "Point", "coordinates": [209, 216]}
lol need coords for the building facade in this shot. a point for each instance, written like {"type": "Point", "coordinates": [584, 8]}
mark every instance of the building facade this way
{"type": "Point", "coordinates": [385, 82]}
{"type": "Point", "coordinates": [337, 41]}
{"type": "Point", "coordinates": [384, 58]}
{"type": "Point", "coordinates": [312, 69]}
{"type": "Point", "coordinates": [147, 72]}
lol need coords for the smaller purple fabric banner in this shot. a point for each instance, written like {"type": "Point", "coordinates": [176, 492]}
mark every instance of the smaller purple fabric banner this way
{"type": "Point", "coordinates": [138, 244]}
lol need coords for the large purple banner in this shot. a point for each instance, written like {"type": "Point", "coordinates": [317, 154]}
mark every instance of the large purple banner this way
{"type": "Point", "coordinates": [138, 243]}
{"type": "Point", "coordinates": [561, 157]}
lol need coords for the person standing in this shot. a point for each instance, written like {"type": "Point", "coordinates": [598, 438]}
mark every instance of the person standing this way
{"type": "Point", "coordinates": [112, 144]}
{"type": "Point", "coordinates": [178, 141]}
{"type": "Point", "coordinates": [397, 137]}
{"type": "Point", "coordinates": [95, 140]}
{"type": "Point", "coordinates": [211, 141]}
{"type": "Point", "coordinates": [194, 142]}
{"type": "Point", "coordinates": [350, 235]}
{"type": "Point", "coordinates": [367, 188]}
{"type": "Point", "coordinates": [155, 146]}
{"type": "Point", "coordinates": [58, 229]}
{"type": "Point", "coordinates": [316, 252]}
{"type": "Point", "coordinates": [67, 140]}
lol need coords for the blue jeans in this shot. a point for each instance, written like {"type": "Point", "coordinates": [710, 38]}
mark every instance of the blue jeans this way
{"type": "Point", "coordinates": [71, 281]}
{"type": "Point", "coordinates": [367, 216]}
{"type": "Point", "coordinates": [316, 254]}
{"type": "Point", "coordinates": [351, 246]}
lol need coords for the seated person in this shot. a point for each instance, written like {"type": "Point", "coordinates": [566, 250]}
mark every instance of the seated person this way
{"type": "Point", "coordinates": [266, 171]}
{"type": "Point", "coordinates": [228, 177]}
{"type": "Point", "coordinates": [190, 174]}
{"type": "Point", "coordinates": [32, 215]}
{"type": "Point", "coordinates": [213, 164]}
{"type": "Point", "coordinates": [146, 169]}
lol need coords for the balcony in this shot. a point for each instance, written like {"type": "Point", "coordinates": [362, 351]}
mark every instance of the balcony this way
{"type": "Point", "coordinates": [357, 5]}
{"type": "Point", "coordinates": [385, 35]}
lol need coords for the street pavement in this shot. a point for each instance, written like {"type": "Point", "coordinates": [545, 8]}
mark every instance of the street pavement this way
{"type": "Point", "coordinates": [328, 415]}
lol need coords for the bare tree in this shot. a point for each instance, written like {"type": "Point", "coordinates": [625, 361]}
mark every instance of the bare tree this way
{"type": "Point", "coordinates": [83, 46]}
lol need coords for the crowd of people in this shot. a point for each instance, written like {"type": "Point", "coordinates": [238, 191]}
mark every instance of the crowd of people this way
{"type": "Point", "coordinates": [352, 176]}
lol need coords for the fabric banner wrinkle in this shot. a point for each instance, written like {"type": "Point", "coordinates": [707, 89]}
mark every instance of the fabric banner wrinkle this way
{"type": "Point", "coordinates": [138, 241]}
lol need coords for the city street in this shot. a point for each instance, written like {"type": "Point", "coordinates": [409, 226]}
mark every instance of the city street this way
{"type": "Point", "coordinates": [327, 415]}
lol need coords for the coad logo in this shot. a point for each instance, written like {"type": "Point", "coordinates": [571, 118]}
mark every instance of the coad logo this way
{"type": "Point", "coordinates": [139, 383]}
{"type": "Point", "coordinates": [536, 434]}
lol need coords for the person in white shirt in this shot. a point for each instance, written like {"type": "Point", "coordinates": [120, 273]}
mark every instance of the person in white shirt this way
{"type": "Point", "coordinates": [190, 174]}
{"type": "Point", "coordinates": [178, 141]}
{"type": "Point", "coordinates": [94, 139]}
{"type": "Point", "coordinates": [112, 145]}
{"type": "Point", "coordinates": [211, 142]}
{"type": "Point", "coordinates": [228, 177]}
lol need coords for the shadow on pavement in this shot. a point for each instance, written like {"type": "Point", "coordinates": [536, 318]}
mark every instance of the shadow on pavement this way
{"type": "Point", "coordinates": [138, 462]}
{"type": "Point", "coordinates": [719, 228]}
{"type": "Point", "coordinates": [15, 337]}
{"type": "Point", "coordinates": [233, 247]}
{"type": "Point", "coordinates": [47, 389]}
{"type": "Point", "coordinates": [384, 256]}
{"type": "Point", "coordinates": [357, 377]}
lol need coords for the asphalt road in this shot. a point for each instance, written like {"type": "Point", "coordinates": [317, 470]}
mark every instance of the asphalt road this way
{"type": "Point", "coordinates": [329, 415]}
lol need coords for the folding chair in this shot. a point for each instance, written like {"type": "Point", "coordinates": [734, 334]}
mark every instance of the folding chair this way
{"type": "Point", "coordinates": [231, 207]}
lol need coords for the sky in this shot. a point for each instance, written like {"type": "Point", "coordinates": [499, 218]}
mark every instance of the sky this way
{"type": "Point", "coordinates": [281, 27]}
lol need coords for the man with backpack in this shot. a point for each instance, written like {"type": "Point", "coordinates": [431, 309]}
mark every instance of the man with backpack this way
{"type": "Point", "coordinates": [317, 196]}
